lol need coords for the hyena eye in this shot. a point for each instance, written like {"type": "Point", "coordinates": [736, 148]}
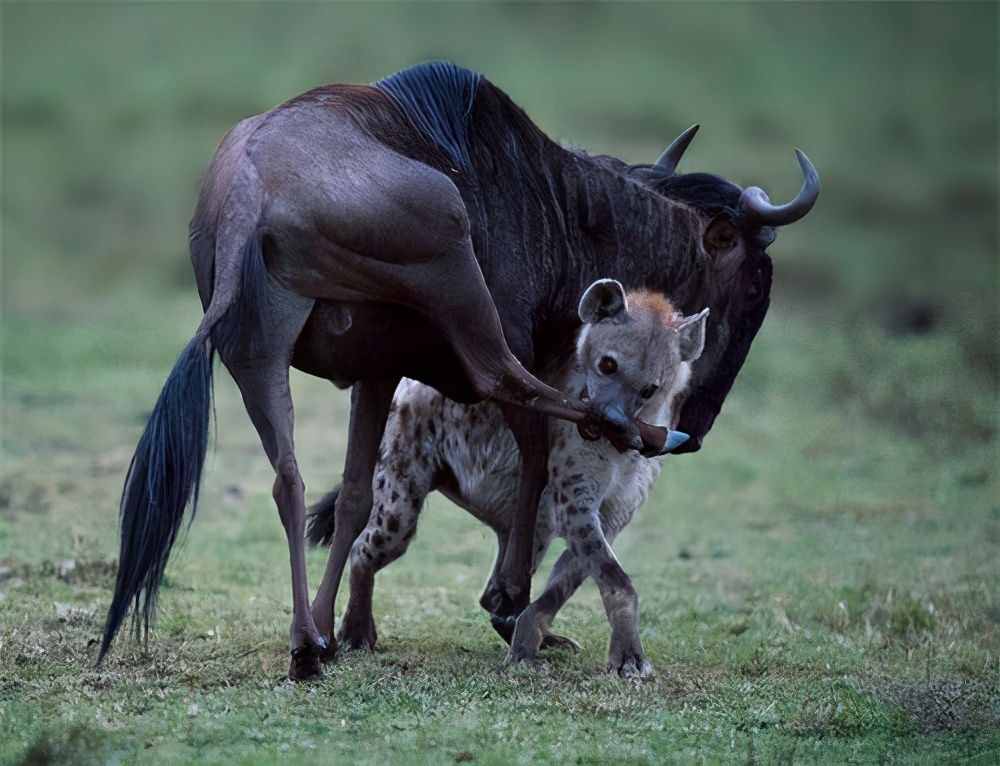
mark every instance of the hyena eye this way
{"type": "Point", "coordinates": [648, 391]}
{"type": "Point", "coordinates": [607, 365]}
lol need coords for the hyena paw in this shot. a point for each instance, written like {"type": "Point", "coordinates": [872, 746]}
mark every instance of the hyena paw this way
{"type": "Point", "coordinates": [357, 632]}
{"type": "Point", "coordinates": [630, 663]}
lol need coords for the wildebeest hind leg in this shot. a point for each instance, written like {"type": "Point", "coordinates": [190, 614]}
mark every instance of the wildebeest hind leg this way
{"type": "Point", "coordinates": [452, 292]}
{"type": "Point", "coordinates": [259, 365]}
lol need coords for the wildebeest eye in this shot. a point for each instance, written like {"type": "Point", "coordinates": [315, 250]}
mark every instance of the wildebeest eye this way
{"type": "Point", "coordinates": [607, 365]}
{"type": "Point", "coordinates": [648, 391]}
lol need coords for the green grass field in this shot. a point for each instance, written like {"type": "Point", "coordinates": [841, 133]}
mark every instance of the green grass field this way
{"type": "Point", "coordinates": [819, 584]}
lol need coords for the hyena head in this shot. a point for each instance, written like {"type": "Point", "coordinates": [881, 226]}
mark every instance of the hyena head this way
{"type": "Point", "coordinates": [636, 352]}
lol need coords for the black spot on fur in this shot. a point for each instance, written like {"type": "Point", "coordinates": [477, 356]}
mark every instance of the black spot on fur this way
{"type": "Point", "coordinates": [393, 523]}
{"type": "Point", "coordinates": [614, 575]}
{"type": "Point", "coordinates": [377, 540]}
{"type": "Point", "coordinates": [394, 497]}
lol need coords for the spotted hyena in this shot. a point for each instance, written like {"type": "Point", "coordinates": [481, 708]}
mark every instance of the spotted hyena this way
{"type": "Point", "coordinates": [633, 353]}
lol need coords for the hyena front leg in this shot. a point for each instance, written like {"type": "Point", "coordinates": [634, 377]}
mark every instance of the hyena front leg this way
{"type": "Point", "coordinates": [589, 555]}
{"type": "Point", "coordinates": [592, 550]}
{"type": "Point", "coordinates": [574, 497]}
{"type": "Point", "coordinates": [621, 604]}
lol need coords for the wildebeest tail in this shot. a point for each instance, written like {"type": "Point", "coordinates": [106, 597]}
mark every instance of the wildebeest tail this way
{"type": "Point", "coordinates": [164, 475]}
{"type": "Point", "coordinates": [321, 523]}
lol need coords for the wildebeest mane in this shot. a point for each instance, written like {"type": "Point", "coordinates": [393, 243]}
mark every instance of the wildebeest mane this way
{"type": "Point", "coordinates": [437, 96]}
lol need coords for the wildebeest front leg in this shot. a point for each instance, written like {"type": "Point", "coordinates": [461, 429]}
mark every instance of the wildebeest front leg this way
{"type": "Point", "coordinates": [370, 402]}
{"type": "Point", "coordinates": [510, 589]}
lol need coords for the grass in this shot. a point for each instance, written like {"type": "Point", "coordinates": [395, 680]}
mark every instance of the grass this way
{"type": "Point", "coordinates": [819, 584]}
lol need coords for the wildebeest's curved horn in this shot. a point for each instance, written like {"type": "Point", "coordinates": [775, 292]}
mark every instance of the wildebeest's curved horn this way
{"type": "Point", "coordinates": [671, 156]}
{"type": "Point", "coordinates": [755, 206]}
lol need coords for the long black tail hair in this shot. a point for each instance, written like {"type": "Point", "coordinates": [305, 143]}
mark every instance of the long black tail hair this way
{"type": "Point", "coordinates": [165, 473]}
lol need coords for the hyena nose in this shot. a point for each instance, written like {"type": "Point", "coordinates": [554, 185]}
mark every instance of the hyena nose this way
{"type": "Point", "coordinates": [614, 414]}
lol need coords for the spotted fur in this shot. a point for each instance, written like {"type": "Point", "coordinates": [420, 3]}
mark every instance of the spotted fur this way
{"type": "Point", "coordinates": [593, 491]}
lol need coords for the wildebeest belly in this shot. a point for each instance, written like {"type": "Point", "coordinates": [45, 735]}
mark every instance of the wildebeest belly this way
{"type": "Point", "coordinates": [351, 342]}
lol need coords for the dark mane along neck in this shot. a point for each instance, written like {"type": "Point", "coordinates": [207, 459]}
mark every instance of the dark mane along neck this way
{"type": "Point", "coordinates": [583, 217]}
{"type": "Point", "coordinates": [558, 218]}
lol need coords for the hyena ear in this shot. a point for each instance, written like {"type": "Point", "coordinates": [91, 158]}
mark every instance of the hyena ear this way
{"type": "Point", "coordinates": [605, 299]}
{"type": "Point", "coordinates": [692, 332]}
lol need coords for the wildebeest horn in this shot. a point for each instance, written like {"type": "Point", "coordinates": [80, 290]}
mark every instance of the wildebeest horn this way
{"type": "Point", "coordinates": [755, 206]}
{"type": "Point", "coordinates": [672, 154]}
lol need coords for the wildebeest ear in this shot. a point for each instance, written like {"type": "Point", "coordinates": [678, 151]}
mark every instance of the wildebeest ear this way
{"type": "Point", "coordinates": [602, 300]}
{"type": "Point", "coordinates": [721, 236]}
{"type": "Point", "coordinates": [692, 332]}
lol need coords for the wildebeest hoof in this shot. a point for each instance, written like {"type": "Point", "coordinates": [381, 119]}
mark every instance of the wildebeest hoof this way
{"type": "Point", "coordinates": [305, 664]}
{"type": "Point", "coordinates": [329, 652]}
{"type": "Point", "coordinates": [502, 601]}
{"type": "Point", "coordinates": [553, 641]}
{"type": "Point", "coordinates": [504, 626]}
{"type": "Point", "coordinates": [634, 666]}
{"type": "Point", "coordinates": [357, 633]}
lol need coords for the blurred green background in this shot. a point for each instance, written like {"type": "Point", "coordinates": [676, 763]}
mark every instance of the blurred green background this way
{"type": "Point", "coordinates": [846, 501]}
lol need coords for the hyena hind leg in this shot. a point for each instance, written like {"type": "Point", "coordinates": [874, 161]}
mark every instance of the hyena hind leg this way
{"type": "Point", "coordinates": [398, 501]}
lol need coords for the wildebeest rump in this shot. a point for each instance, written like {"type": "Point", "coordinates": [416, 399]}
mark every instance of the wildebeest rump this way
{"type": "Point", "coordinates": [425, 227]}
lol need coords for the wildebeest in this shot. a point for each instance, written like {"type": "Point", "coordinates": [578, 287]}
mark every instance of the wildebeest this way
{"type": "Point", "coordinates": [634, 350]}
{"type": "Point", "coordinates": [424, 227]}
